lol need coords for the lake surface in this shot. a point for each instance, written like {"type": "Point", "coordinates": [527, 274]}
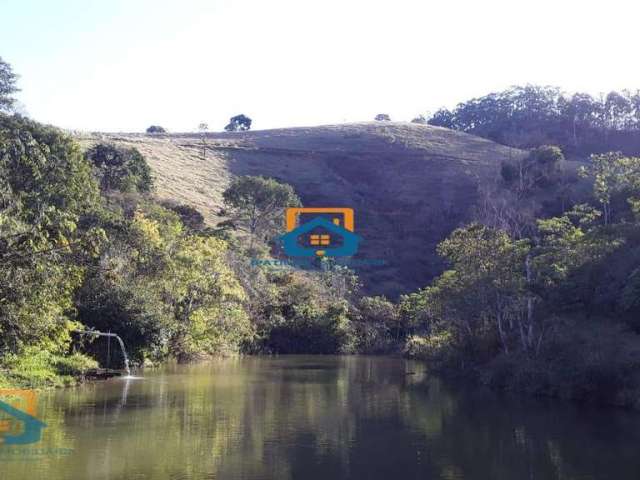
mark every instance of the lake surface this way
{"type": "Point", "coordinates": [317, 417]}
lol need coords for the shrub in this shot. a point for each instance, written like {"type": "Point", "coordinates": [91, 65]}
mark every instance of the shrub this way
{"type": "Point", "coordinates": [190, 217]}
{"type": "Point", "coordinates": [37, 367]}
{"type": "Point", "coordinates": [239, 123]}
{"type": "Point", "coordinates": [120, 169]}
{"type": "Point", "coordinates": [438, 349]}
{"type": "Point", "coordinates": [508, 172]}
{"type": "Point", "coordinates": [156, 129]}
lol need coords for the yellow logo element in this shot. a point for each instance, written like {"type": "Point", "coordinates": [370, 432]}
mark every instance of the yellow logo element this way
{"type": "Point", "coordinates": [18, 422]}
{"type": "Point", "coordinates": [319, 232]}
{"type": "Point", "coordinates": [342, 216]}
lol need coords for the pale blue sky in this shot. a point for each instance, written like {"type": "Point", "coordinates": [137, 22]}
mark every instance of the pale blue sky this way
{"type": "Point", "coordinates": [122, 65]}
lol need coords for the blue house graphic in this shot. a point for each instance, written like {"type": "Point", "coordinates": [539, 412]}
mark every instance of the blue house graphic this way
{"type": "Point", "coordinates": [350, 240]}
{"type": "Point", "coordinates": [32, 427]}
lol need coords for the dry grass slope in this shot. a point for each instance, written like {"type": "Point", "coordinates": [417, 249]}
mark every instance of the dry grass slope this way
{"type": "Point", "coordinates": [409, 184]}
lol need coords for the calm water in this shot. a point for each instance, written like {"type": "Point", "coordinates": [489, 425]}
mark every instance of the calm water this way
{"type": "Point", "coordinates": [309, 417]}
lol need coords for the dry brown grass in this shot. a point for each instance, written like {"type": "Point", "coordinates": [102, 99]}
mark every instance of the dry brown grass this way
{"type": "Point", "coordinates": [409, 184]}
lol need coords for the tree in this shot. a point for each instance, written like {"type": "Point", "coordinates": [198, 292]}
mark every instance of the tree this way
{"type": "Point", "coordinates": [119, 168]}
{"type": "Point", "coordinates": [383, 117]}
{"type": "Point", "coordinates": [618, 110]}
{"type": "Point", "coordinates": [205, 298]}
{"type": "Point", "coordinates": [613, 174]}
{"type": "Point", "coordinates": [202, 128]}
{"type": "Point", "coordinates": [420, 120]}
{"type": "Point", "coordinates": [46, 193]}
{"type": "Point", "coordinates": [156, 129]}
{"type": "Point", "coordinates": [381, 312]}
{"type": "Point", "coordinates": [7, 87]}
{"type": "Point", "coordinates": [165, 290]}
{"type": "Point", "coordinates": [443, 118]}
{"type": "Point", "coordinates": [257, 204]}
{"type": "Point", "coordinates": [529, 116]}
{"type": "Point", "coordinates": [190, 216]}
{"type": "Point", "coordinates": [485, 292]}
{"type": "Point", "coordinates": [239, 123]}
{"type": "Point", "coordinates": [542, 166]}
{"type": "Point", "coordinates": [580, 110]}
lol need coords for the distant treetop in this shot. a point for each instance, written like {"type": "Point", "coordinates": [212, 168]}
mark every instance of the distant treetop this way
{"type": "Point", "coordinates": [383, 117]}
{"type": "Point", "coordinates": [239, 123]}
{"type": "Point", "coordinates": [531, 116]}
{"type": "Point", "coordinates": [420, 119]}
{"type": "Point", "coordinates": [7, 86]}
{"type": "Point", "coordinates": [156, 129]}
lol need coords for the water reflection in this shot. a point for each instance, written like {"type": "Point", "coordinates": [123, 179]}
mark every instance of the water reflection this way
{"type": "Point", "coordinates": [321, 418]}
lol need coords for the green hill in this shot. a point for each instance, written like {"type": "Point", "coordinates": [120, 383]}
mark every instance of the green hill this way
{"type": "Point", "coordinates": [409, 184]}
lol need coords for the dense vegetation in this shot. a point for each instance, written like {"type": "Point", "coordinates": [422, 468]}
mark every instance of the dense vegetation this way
{"type": "Point", "coordinates": [83, 245]}
{"type": "Point", "coordinates": [549, 305]}
{"type": "Point", "coordinates": [554, 314]}
{"type": "Point", "coordinates": [7, 86]}
{"type": "Point", "coordinates": [156, 129]}
{"type": "Point", "coordinates": [238, 123]}
{"type": "Point", "coordinates": [531, 116]}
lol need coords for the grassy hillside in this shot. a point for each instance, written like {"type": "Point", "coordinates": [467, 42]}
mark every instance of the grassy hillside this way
{"type": "Point", "coordinates": [409, 184]}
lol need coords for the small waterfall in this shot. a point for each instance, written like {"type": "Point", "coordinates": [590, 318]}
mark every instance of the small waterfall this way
{"type": "Point", "coordinates": [117, 337]}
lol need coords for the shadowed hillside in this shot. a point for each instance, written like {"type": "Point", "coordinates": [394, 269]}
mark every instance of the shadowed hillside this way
{"type": "Point", "coordinates": [409, 184]}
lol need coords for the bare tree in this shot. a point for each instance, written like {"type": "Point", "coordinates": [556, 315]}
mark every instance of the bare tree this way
{"type": "Point", "coordinates": [202, 128]}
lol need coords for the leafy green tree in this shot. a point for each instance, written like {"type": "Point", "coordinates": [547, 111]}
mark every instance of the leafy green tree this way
{"type": "Point", "coordinates": [7, 86]}
{"type": "Point", "coordinates": [340, 281]}
{"type": "Point", "coordinates": [302, 317]}
{"type": "Point", "coordinates": [485, 292]}
{"type": "Point", "coordinates": [120, 169]}
{"type": "Point", "coordinates": [618, 109]}
{"type": "Point", "coordinates": [580, 111]}
{"type": "Point", "coordinates": [156, 129]}
{"type": "Point", "coordinates": [541, 167]}
{"type": "Point", "coordinates": [206, 300]}
{"type": "Point", "coordinates": [571, 259]}
{"type": "Point", "coordinates": [190, 216]}
{"type": "Point", "coordinates": [384, 324]}
{"type": "Point", "coordinates": [166, 291]}
{"type": "Point", "coordinates": [46, 192]}
{"type": "Point", "coordinates": [239, 123]}
{"type": "Point", "coordinates": [257, 204]}
{"type": "Point", "coordinates": [444, 118]}
{"type": "Point", "coordinates": [613, 174]}
{"type": "Point", "coordinates": [411, 310]}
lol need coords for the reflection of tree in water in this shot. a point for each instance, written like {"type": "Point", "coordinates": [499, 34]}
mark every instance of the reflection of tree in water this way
{"type": "Point", "coordinates": [329, 418]}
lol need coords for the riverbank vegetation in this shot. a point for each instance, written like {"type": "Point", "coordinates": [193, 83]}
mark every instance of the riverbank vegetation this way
{"type": "Point", "coordinates": [548, 305]}
{"type": "Point", "coordinates": [544, 304]}
{"type": "Point", "coordinates": [86, 246]}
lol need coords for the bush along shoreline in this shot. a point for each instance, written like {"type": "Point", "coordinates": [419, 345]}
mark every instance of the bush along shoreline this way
{"type": "Point", "coordinates": [84, 245]}
{"type": "Point", "coordinates": [547, 304]}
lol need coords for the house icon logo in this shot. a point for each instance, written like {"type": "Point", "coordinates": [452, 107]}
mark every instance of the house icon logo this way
{"type": "Point", "coordinates": [320, 232]}
{"type": "Point", "coordinates": [18, 422]}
